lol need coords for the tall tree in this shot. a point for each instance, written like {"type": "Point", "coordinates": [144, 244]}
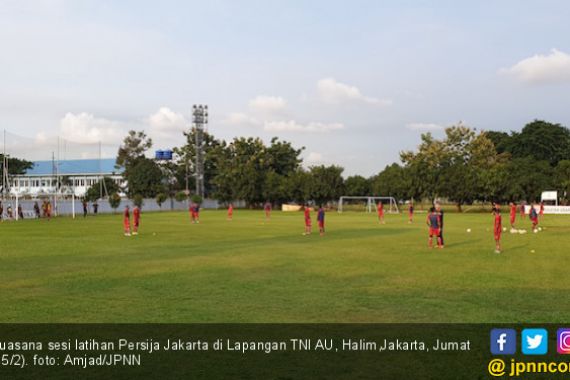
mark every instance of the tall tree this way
{"type": "Point", "coordinates": [326, 183]}
{"type": "Point", "coordinates": [357, 186]}
{"type": "Point", "coordinates": [135, 144]}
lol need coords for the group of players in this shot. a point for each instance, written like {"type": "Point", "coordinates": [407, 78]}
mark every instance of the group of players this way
{"type": "Point", "coordinates": [434, 220]}
{"type": "Point", "coordinates": [45, 212]}
{"type": "Point", "coordinates": [533, 215]}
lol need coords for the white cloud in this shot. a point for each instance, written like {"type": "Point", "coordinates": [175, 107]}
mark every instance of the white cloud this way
{"type": "Point", "coordinates": [542, 69]}
{"type": "Point", "coordinates": [86, 128]}
{"type": "Point", "coordinates": [268, 103]}
{"type": "Point", "coordinates": [293, 126]}
{"type": "Point", "coordinates": [332, 91]}
{"type": "Point", "coordinates": [424, 127]}
{"type": "Point", "coordinates": [314, 158]}
{"type": "Point", "coordinates": [166, 122]}
{"type": "Point", "coordinates": [239, 118]}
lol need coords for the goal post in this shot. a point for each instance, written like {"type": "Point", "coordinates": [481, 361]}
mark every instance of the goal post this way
{"type": "Point", "coordinates": [390, 204]}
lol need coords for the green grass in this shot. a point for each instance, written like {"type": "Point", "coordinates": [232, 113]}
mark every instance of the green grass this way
{"type": "Point", "coordinates": [247, 270]}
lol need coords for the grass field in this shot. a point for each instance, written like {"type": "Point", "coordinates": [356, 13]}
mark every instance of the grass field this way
{"type": "Point", "coordinates": [247, 270]}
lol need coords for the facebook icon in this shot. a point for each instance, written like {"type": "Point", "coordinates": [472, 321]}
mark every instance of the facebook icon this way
{"type": "Point", "coordinates": [503, 342]}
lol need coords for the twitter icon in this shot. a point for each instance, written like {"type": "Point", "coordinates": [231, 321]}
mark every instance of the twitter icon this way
{"type": "Point", "coordinates": [534, 341]}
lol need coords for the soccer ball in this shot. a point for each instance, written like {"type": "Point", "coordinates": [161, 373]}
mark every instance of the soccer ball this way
{"type": "Point", "coordinates": [532, 251]}
{"type": "Point", "coordinates": [504, 229]}
{"type": "Point", "coordinates": [535, 231]}
{"type": "Point", "coordinates": [540, 228]}
{"type": "Point", "coordinates": [468, 230]}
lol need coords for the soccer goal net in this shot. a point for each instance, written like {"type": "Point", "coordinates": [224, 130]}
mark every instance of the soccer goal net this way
{"type": "Point", "coordinates": [367, 204]}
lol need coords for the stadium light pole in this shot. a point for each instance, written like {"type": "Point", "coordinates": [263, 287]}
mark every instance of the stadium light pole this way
{"type": "Point", "coordinates": [200, 120]}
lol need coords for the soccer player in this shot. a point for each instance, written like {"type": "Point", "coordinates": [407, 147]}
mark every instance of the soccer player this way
{"type": "Point", "coordinates": [127, 221]}
{"type": "Point", "coordinates": [513, 214]}
{"type": "Point", "coordinates": [267, 209]}
{"type": "Point", "coordinates": [498, 227]}
{"type": "Point", "coordinates": [37, 210]}
{"type": "Point", "coordinates": [321, 220]}
{"type": "Point", "coordinates": [136, 219]}
{"type": "Point", "coordinates": [522, 210]}
{"type": "Point", "coordinates": [434, 223]}
{"type": "Point", "coordinates": [308, 226]}
{"type": "Point", "coordinates": [48, 210]}
{"type": "Point", "coordinates": [95, 208]}
{"type": "Point", "coordinates": [380, 209]}
{"type": "Point", "coordinates": [541, 214]}
{"type": "Point", "coordinates": [84, 203]}
{"type": "Point", "coordinates": [440, 212]}
{"type": "Point", "coordinates": [20, 212]}
{"type": "Point", "coordinates": [533, 215]}
{"type": "Point", "coordinates": [197, 212]}
{"type": "Point", "coordinates": [411, 213]}
{"type": "Point", "coordinates": [192, 212]}
{"type": "Point", "coordinates": [230, 212]}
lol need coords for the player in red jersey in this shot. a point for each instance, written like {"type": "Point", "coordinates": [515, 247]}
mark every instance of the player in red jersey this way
{"type": "Point", "coordinates": [498, 227]}
{"type": "Point", "coordinates": [267, 209]}
{"type": "Point", "coordinates": [136, 219]}
{"type": "Point", "coordinates": [541, 213]}
{"type": "Point", "coordinates": [308, 226]}
{"type": "Point", "coordinates": [380, 209]}
{"type": "Point", "coordinates": [230, 212]}
{"type": "Point", "coordinates": [434, 224]}
{"type": "Point", "coordinates": [522, 210]}
{"type": "Point", "coordinates": [321, 220]}
{"type": "Point", "coordinates": [411, 212]}
{"type": "Point", "coordinates": [127, 221]}
{"type": "Point", "coordinates": [513, 214]}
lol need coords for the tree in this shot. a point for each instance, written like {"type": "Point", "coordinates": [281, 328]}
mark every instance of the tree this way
{"type": "Point", "coordinates": [185, 171]}
{"type": "Point", "coordinates": [16, 166]}
{"type": "Point", "coordinates": [393, 181]}
{"type": "Point", "coordinates": [357, 186]}
{"type": "Point", "coordinates": [282, 157]}
{"type": "Point", "coordinates": [160, 199]}
{"type": "Point", "coordinates": [562, 177]}
{"type": "Point", "coordinates": [180, 196]}
{"type": "Point", "coordinates": [145, 178]}
{"type": "Point", "coordinates": [325, 183]}
{"type": "Point", "coordinates": [106, 184]}
{"type": "Point", "coordinates": [114, 201]}
{"type": "Point", "coordinates": [134, 147]}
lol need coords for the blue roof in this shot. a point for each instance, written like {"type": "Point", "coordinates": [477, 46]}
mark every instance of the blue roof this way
{"type": "Point", "coordinates": [75, 167]}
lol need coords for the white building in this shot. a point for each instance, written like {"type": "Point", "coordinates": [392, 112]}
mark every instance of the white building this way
{"type": "Point", "coordinates": [76, 175]}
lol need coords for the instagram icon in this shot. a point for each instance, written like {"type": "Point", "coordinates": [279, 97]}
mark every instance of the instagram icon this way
{"type": "Point", "coordinates": [563, 343]}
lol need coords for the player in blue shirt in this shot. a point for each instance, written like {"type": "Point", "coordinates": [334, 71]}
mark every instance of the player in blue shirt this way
{"type": "Point", "coordinates": [321, 220]}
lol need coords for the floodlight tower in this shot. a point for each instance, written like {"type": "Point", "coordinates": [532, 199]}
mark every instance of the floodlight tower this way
{"type": "Point", "coordinates": [200, 120]}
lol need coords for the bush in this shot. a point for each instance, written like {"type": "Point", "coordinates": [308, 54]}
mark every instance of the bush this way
{"type": "Point", "coordinates": [138, 200]}
{"type": "Point", "coordinates": [114, 201]}
{"type": "Point", "coordinates": [181, 196]}
{"type": "Point", "coordinates": [160, 199]}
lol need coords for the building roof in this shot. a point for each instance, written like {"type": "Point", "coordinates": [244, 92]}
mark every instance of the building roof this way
{"type": "Point", "coordinates": [106, 166]}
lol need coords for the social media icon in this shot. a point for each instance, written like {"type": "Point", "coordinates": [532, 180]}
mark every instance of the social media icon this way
{"type": "Point", "coordinates": [563, 341]}
{"type": "Point", "coordinates": [503, 341]}
{"type": "Point", "coordinates": [534, 341]}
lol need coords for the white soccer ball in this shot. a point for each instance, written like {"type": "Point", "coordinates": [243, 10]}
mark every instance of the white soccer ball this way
{"type": "Point", "coordinates": [535, 231]}
{"type": "Point", "coordinates": [532, 251]}
{"type": "Point", "coordinates": [540, 228]}
{"type": "Point", "coordinates": [514, 231]}
{"type": "Point", "coordinates": [504, 229]}
{"type": "Point", "coordinates": [468, 230]}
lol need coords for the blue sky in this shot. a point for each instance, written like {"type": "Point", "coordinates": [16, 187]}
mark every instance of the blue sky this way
{"type": "Point", "coordinates": [354, 82]}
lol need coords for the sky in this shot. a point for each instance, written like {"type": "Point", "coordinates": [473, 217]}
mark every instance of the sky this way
{"type": "Point", "coordinates": [353, 82]}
